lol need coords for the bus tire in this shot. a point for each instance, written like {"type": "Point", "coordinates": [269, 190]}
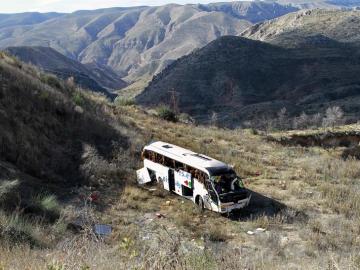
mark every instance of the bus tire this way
{"type": "Point", "coordinates": [200, 203]}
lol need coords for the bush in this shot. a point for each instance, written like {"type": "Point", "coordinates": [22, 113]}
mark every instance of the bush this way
{"type": "Point", "coordinates": [8, 190]}
{"type": "Point", "coordinates": [78, 99]}
{"type": "Point", "coordinates": [47, 205]}
{"type": "Point", "coordinates": [15, 229]}
{"type": "Point", "coordinates": [124, 101]}
{"type": "Point", "coordinates": [216, 233]}
{"type": "Point", "coordinates": [51, 80]}
{"type": "Point", "coordinates": [166, 113]}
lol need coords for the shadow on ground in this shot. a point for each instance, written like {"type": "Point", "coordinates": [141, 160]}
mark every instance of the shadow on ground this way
{"type": "Point", "coordinates": [261, 205]}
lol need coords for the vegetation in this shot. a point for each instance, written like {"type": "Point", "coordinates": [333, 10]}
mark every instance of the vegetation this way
{"type": "Point", "coordinates": [124, 101]}
{"type": "Point", "coordinates": [305, 197]}
{"type": "Point", "coordinates": [164, 112]}
{"type": "Point", "coordinates": [306, 67]}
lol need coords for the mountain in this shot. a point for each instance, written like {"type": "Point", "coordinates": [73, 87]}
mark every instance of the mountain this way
{"type": "Point", "coordinates": [242, 79]}
{"type": "Point", "coordinates": [301, 27]}
{"type": "Point", "coordinates": [51, 61]}
{"type": "Point", "coordinates": [252, 11]}
{"type": "Point", "coordinates": [323, 4]}
{"type": "Point", "coordinates": [28, 18]}
{"type": "Point", "coordinates": [138, 42]}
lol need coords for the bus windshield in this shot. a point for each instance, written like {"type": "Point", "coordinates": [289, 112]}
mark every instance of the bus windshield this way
{"type": "Point", "coordinates": [226, 181]}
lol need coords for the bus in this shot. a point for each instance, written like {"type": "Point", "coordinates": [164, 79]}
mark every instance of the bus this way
{"type": "Point", "coordinates": [209, 183]}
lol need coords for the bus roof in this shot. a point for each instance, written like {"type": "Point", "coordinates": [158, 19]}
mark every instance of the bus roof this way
{"type": "Point", "coordinates": [199, 161]}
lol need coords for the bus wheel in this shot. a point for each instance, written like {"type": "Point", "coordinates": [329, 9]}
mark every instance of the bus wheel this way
{"type": "Point", "coordinates": [200, 204]}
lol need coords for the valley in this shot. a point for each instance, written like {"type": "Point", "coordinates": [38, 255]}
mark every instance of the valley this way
{"type": "Point", "coordinates": [304, 197]}
{"type": "Point", "coordinates": [269, 87]}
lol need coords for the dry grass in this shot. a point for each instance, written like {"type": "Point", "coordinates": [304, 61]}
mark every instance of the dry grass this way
{"type": "Point", "coordinates": [317, 228]}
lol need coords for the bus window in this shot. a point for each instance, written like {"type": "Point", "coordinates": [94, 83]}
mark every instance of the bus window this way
{"type": "Point", "coordinates": [186, 191]}
{"type": "Point", "coordinates": [211, 192]}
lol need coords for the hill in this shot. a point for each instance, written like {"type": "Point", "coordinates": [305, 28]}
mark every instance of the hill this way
{"type": "Point", "coordinates": [252, 11]}
{"type": "Point", "coordinates": [52, 61]}
{"type": "Point", "coordinates": [68, 160]}
{"type": "Point", "coordinates": [138, 42]}
{"type": "Point", "coordinates": [312, 4]}
{"type": "Point", "coordinates": [240, 80]}
{"type": "Point", "coordinates": [46, 123]}
{"type": "Point", "coordinates": [293, 29]}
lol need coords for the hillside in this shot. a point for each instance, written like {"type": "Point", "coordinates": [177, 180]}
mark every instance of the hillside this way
{"type": "Point", "coordinates": [51, 61]}
{"type": "Point", "coordinates": [252, 11]}
{"type": "Point", "coordinates": [242, 80]}
{"type": "Point", "coordinates": [323, 4]}
{"type": "Point", "coordinates": [47, 125]}
{"type": "Point", "coordinates": [293, 29]}
{"type": "Point", "coordinates": [61, 146]}
{"type": "Point", "coordinates": [138, 42]}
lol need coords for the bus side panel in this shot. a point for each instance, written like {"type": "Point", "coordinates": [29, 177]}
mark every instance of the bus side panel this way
{"type": "Point", "coordinates": [182, 179]}
{"type": "Point", "coordinates": [161, 172]}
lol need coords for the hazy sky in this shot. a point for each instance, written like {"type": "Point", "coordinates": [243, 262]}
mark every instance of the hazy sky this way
{"type": "Point", "coordinates": [14, 6]}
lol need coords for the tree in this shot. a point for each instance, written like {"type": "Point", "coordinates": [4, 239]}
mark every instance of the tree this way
{"type": "Point", "coordinates": [301, 122]}
{"type": "Point", "coordinates": [214, 118]}
{"type": "Point", "coordinates": [166, 113]}
{"type": "Point", "coordinates": [333, 116]}
{"type": "Point", "coordinates": [281, 118]}
{"type": "Point", "coordinates": [316, 119]}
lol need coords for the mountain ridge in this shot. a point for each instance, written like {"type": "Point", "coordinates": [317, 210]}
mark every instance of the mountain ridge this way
{"type": "Point", "coordinates": [287, 30]}
{"type": "Point", "coordinates": [138, 42]}
{"type": "Point", "coordinates": [52, 61]}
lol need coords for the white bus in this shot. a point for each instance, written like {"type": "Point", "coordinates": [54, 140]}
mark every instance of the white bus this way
{"type": "Point", "coordinates": [209, 183]}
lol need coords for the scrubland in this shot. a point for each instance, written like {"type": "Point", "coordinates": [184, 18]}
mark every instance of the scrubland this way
{"type": "Point", "coordinates": [306, 198]}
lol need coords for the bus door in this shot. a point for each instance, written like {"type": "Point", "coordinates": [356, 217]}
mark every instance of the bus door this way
{"type": "Point", "coordinates": [183, 183]}
{"type": "Point", "coordinates": [171, 179]}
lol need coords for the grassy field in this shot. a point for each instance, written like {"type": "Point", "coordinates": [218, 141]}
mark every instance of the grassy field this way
{"type": "Point", "coordinates": [306, 198]}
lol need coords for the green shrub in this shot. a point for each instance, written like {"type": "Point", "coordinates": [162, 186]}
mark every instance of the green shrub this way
{"type": "Point", "coordinates": [15, 229]}
{"type": "Point", "coordinates": [78, 99]}
{"type": "Point", "coordinates": [55, 266]}
{"type": "Point", "coordinates": [51, 80]}
{"type": "Point", "coordinates": [216, 233]}
{"type": "Point", "coordinates": [166, 113]}
{"type": "Point", "coordinates": [47, 205]}
{"type": "Point", "coordinates": [119, 101]}
{"type": "Point", "coordinates": [200, 260]}
{"type": "Point", "coordinates": [7, 187]}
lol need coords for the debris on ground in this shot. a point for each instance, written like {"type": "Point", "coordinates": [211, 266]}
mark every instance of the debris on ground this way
{"type": "Point", "coordinates": [159, 215]}
{"type": "Point", "coordinates": [94, 196]}
{"type": "Point", "coordinates": [102, 229]}
{"type": "Point", "coordinates": [76, 225]}
{"type": "Point", "coordinates": [256, 231]}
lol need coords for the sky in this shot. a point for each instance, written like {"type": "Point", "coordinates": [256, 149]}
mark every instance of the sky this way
{"type": "Point", "coordinates": [16, 6]}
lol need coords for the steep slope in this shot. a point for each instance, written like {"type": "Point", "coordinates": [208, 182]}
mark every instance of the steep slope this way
{"type": "Point", "coordinates": [242, 79]}
{"type": "Point", "coordinates": [51, 61]}
{"type": "Point", "coordinates": [252, 11]}
{"type": "Point", "coordinates": [140, 41]}
{"type": "Point", "coordinates": [54, 133]}
{"type": "Point", "coordinates": [293, 29]}
{"type": "Point", "coordinates": [323, 4]}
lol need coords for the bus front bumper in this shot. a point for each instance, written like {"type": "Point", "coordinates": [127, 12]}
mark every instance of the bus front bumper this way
{"type": "Point", "coordinates": [228, 207]}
